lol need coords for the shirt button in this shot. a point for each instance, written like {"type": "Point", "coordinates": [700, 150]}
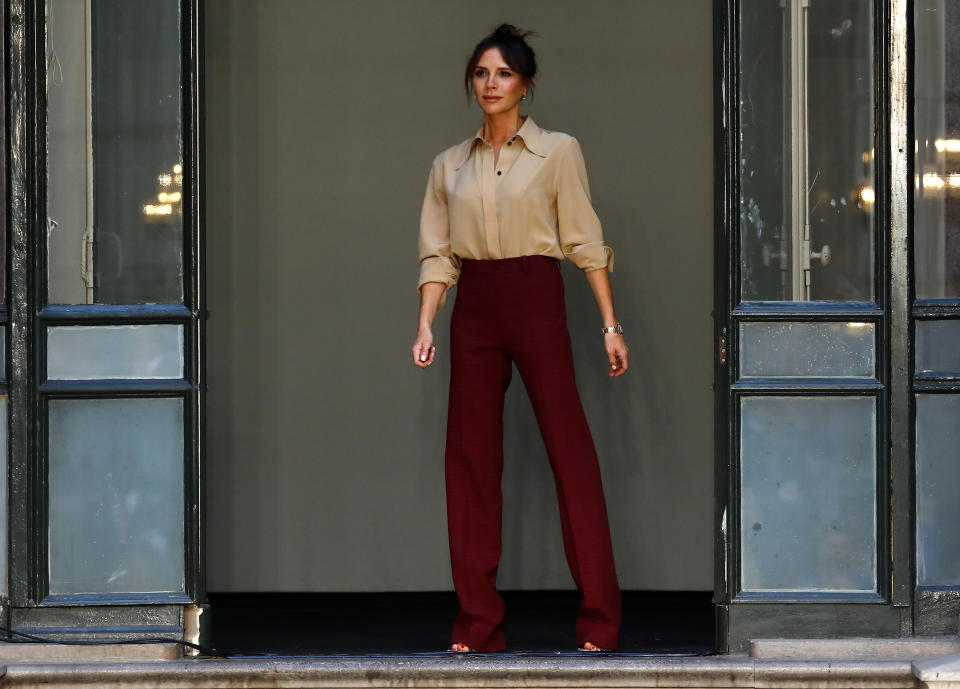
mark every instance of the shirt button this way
{"type": "Point", "coordinates": [498, 172]}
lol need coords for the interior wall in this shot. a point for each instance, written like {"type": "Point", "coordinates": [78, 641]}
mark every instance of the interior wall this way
{"type": "Point", "coordinates": [325, 443]}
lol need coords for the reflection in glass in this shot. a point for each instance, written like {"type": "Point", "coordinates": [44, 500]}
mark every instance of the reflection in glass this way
{"type": "Point", "coordinates": [807, 159]}
{"type": "Point", "coordinates": [114, 130]}
{"type": "Point", "coordinates": [807, 350]}
{"type": "Point", "coordinates": [938, 347]}
{"type": "Point", "coordinates": [116, 496]}
{"type": "Point", "coordinates": [808, 494]}
{"type": "Point", "coordinates": [938, 485]}
{"type": "Point", "coordinates": [936, 237]}
{"type": "Point", "coordinates": [114, 351]}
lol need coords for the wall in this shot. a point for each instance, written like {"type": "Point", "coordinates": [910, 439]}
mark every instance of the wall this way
{"type": "Point", "coordinates": [325, 443]}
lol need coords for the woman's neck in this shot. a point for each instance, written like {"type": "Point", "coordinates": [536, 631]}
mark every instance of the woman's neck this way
{"type": "Point", "coordinates": [500, 127]}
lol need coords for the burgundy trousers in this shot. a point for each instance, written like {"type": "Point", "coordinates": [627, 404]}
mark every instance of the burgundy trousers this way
{"type": "Point", "coordinates": [507, 311]}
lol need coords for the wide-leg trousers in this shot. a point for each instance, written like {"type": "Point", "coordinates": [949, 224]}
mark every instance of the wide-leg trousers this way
{"type": "Point", "coordinates": [512, 310]}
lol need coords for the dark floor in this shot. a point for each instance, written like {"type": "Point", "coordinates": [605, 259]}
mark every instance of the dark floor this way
{"type": "Point", "coordinates": [404, 623]}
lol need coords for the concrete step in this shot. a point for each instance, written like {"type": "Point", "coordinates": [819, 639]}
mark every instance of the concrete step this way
{"type": "Point", "coordinates": [440, 671]}
{"type": "Point", "coordinates": [30, 652]}
{"type": "Point", "coordinates": [855, 649]}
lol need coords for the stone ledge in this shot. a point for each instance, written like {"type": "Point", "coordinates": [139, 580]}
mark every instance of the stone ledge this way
{"type": "Point", "coordinates": [916, 648]}
{"type": "Point", "coordinates": [495, 671]}
{"type": "Point", "coordinates": [24, 652]}
{"type": "Point", "coordinates": [938, 673]}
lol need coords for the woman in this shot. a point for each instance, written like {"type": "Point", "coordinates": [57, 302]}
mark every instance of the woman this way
{"type": "Point", "coordinates": [500, 211]}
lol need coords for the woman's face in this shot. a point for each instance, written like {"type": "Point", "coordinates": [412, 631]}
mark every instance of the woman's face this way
{"type": "Point", "coordinates": [497, 87]}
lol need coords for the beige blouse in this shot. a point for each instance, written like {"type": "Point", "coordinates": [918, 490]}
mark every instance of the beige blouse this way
{"type": "Point", "coordinates": [535, 200]}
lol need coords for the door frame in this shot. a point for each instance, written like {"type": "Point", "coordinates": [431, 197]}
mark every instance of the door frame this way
{"type": "Point", "coordinates": [27, 603]}
{"type": "Point", "coordinates": [740, 618]}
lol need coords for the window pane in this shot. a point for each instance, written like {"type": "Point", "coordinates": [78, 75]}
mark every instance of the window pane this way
{"type": "Point", "coordinates": [114, 351]}
{"type": "Point", "coordinates": [936, 240]}
{"type": "Point", "coordinates": [805, 350]}
{"type": "Point", "coordinates": [115, 229]}
{"type": "Point", "coordinates": [116, 496]}
{"type": "Point", "coordinates": [938, 485]}
{"type": "Point", "coordinates": [808, 494]}
{"type": "Point", "coordinates": [806, 167]}
{"type": "Point", "coordinates": [938, 347]}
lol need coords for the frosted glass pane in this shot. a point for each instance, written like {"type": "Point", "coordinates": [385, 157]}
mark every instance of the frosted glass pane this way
{"type": "Point", "coordinates": [804, 350]}
{"type": "Point", "coordinates": [938, 488]}
{"type": "Point", "coordinates": [808, 494]}
{"type": "Point", "coordinates": [114, 351]}
{"type": "Point", "coordinates": [3, 493]}
{"type": "Point", "coordinates": [116, 496]}
{"type": "Point", "coordinates": [938, 346]}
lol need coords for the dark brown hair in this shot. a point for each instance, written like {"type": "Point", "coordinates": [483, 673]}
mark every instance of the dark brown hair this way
{"type": "Point", "coordinates": [512, 45]}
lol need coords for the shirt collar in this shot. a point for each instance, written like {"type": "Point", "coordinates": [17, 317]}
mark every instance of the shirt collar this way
{"type": "Point", "coordinates": [529, 132]}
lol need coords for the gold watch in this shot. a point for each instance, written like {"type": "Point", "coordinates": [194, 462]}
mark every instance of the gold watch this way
{"type": "Point", "coordinates": [613, 329]}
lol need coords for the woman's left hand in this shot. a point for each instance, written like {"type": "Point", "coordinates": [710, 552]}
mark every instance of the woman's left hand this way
{"type": "Point", "coordinates": [617, 351]}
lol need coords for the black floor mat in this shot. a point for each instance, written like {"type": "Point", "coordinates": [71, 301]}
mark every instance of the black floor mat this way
{"type": "Point", "coordinates": [402, 623]}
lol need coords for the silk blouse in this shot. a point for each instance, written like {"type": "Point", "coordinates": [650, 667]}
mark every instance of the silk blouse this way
{"type": "Point", "coordinates": [535, 200]}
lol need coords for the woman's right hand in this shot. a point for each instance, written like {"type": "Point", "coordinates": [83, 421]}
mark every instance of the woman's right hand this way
{"type": "Point", "coordinates": [423, 349]}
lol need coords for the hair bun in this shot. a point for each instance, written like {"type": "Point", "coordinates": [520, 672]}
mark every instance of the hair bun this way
{"type": "Point", "coordinates": [511, 31]}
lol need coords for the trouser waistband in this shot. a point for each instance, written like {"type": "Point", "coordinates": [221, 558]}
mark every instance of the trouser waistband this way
{"type": "Point", "coordinates": [505, 265]}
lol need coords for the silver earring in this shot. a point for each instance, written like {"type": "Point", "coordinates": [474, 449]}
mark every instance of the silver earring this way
{"type": "Point", "coordinates": [523, 97]}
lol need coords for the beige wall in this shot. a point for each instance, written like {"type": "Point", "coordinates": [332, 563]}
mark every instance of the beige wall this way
{"type": "Point", "coordinates": [325, 444]}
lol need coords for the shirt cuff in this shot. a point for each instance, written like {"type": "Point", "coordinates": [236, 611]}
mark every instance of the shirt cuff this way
{"type": "Point", "coordinates": [591, 256]}
{"type": "Point", "coordinates": [438, 269]}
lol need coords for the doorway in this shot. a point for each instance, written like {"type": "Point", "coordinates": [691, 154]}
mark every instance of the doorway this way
{"type": "Point", "coordinates": [324, 444]}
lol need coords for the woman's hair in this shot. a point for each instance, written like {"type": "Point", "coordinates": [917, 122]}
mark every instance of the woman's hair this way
{"type": "Point", "coordinates": [518, 55]}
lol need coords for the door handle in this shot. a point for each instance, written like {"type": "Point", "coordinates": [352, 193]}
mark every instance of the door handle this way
{"type": "Point", "coordinates": [824, 255]}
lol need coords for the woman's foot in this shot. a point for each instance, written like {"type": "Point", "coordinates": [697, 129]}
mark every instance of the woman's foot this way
{"type": "Point", "coordinates": [461, 648]}
{"type": "Point", "coordinates": [590, 646]}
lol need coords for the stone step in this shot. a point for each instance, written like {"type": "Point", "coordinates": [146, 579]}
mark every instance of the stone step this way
{"type": "Point", "coordinates": [31, 652]}
{"type": "Point", "coordinates": [441, 671]}
{"type": "Point", "coordinates": [914, 648]}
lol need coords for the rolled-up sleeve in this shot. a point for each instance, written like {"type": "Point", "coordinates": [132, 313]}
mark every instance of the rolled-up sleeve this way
{"type": "Point", "coordinates": [581, 235]}
{"type": "Point", "coordinates": [437, 262]}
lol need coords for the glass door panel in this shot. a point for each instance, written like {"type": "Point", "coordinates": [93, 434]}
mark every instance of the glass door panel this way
{"type": "Point", "coordinates": [936, 312]}
{"type": "Point", "coordinates": [100, 352]}
{"type": "Point", "coordinates": [807, 350]}
{"type": "Point", "coordinates": [118, 335]}
{"type": "Point", "coordinates": [802, 350]}
{"type": "Point", "coordinates": [938, 485]}
{"type": "Point", "coordinates": [808, 492]}
{"type": "Point", "coordinates": [116, 496]}
{"type": "Point", "coordinates": [807, 150]}
{"type": "Point", "coordinates": [936, 240]}
{"type": "Point", "coordinates": [115, 146]}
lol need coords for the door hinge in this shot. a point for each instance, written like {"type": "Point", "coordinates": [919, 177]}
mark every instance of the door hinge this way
{"type": "Point", "coordinates": [722, 347]}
